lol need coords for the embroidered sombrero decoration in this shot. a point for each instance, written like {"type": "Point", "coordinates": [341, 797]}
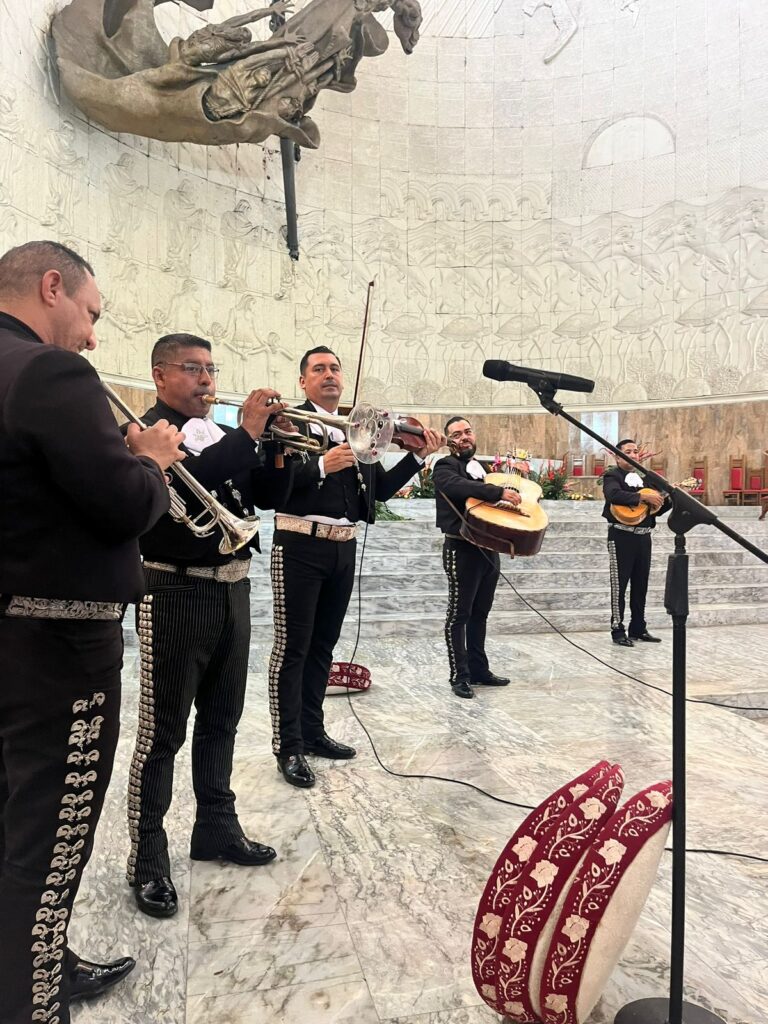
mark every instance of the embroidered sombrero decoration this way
{"type": "Point", "coordinates": [527, 923]}
{"type": "Point", "coordinates": [603, 904]}
{"type": "Point", "coordinates": [349, 676]}
{"type": "Point", "coordinates": [512, 862]}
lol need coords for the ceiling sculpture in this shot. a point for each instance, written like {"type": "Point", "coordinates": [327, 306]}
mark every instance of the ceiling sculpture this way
{"type": "Point", "coordinates": [219, 85]}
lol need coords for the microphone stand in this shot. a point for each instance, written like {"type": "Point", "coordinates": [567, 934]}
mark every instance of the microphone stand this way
{"type": "Point", "coordinates": [686, 513]}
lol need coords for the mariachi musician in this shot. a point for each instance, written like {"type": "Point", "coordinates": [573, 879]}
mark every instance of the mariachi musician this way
{"type": "Point", "coordinates": [472, 572]}
{"type": "Point", "coordinates": [313, 568]}
{"type": "Point", "coordinates": [629, 547]}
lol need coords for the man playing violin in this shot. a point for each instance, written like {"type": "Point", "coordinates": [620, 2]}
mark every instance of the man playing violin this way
{"type": "Point", "coordinates": [629, 547]}
{"type": "Point", "coordinates": [194, 627]}
{"type": "Point", "coordinates": [472, 572]}
{"type": "Point", "coordinates": [313, 568]}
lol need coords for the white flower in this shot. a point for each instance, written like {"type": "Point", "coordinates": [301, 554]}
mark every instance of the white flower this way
{"type": "Point", "coordinates": [657, 799]}
{"type": "Point", "coordinates": [556, 1003]}
{"type": "Point", "coordinates": [524, 847]}
{"type": "Point", "coordinates": [592, 809]}
{"type": "Point", "coordinates": [544, 873]}
{"type": "Point", "coordinates": [576, 927]}
{"type": "Point", "coordinates": [490, 925]}
{"type": "Point", "coordinates": [515, 1010]}
{"type": "Point", "coordinates": [489, 992]}
{"type": "Point", "coordinates": [578, 790]}
{"type": "Point", "coordinates": [612, 851]}
{"type": "Point", "coordinates": [515, 950]}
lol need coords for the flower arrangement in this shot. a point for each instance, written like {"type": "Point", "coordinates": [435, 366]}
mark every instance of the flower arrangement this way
{"type": "Point", "coordinates": [553, 481]}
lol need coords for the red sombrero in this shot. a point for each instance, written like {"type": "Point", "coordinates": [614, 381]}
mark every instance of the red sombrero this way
{"type": "Point", "coordinates": [603, 904]}
{"type": "Point", "coordinates": [349, 676]}
{"type": "Point", "coordinates": [512, 862]}
{"type": "Point", "coordinates": [528, 921]}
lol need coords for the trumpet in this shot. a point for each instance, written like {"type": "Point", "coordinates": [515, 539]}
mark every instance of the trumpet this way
{"type": "Point", "coordinates": [369, 430]}
{"type": "Point", "coordinates": [236, 531]}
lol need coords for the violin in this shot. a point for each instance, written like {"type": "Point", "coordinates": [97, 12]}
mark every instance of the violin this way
{"type": "Point", "coordinates": [409, 433]}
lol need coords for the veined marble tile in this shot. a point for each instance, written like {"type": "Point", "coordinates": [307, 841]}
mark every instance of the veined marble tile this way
{"type": "Point", "coordinates": [338, 1002]}
{"type": "Point", "coordinates": [272, 956]}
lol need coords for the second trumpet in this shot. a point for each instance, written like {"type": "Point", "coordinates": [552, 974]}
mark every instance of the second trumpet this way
{"type": "Point", "coordinates": [369, 430]}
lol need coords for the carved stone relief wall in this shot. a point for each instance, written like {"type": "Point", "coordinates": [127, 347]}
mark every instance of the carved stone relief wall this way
{"type": "Point", "coordinates": [596, 204]}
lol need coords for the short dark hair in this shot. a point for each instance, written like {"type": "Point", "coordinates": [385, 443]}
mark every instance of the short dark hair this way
{"type": "Point", "coordinates": [627, 440]}
{"type": "Point", "coordinates": [320, 350]}
{"type": "Point", "coordinates": [455, 419]}
{"type": "Point", "coordinates": [167, 346]}
{"type": "Point", "coordinates": [23, 266]}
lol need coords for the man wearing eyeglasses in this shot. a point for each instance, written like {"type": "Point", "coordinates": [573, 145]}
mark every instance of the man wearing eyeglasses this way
{"type": "Point", "coordinates": [194, 627]}
{"type": "Point", "coordinates": [472, 572]}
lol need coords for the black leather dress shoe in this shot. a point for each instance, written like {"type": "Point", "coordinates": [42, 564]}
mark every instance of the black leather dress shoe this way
{"type": "Point", "coordinates": [623, 641]}
{"type": "Point", "coordinates": [324, 746]}
{"type": "Point", "coordinates": [462, 689]}
{"type": "Point", "coordinates": [87, 980]}
{"type": "Point", "coordinates": [646, 638]}
{"type": "Point", "coordinates": [242, 851]}
{"type": "Point", "coordinates": [296, 771]}
{"type": "Point", "coordinates": [157, 898]}
{"type": "Point", "coordinates": [491, 680]}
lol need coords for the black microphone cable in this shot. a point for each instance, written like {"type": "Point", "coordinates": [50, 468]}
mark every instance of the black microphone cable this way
{"type": "Point", "coordinates": [554, 628]}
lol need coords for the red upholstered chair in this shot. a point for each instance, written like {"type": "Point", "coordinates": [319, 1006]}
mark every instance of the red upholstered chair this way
{"type": "Point", "coordinates": [754, 485]}
{"type": "Point", "coordinates": [577, 466]}
{"type": "Point", "coordinates": [699, 471]}
{"type": "Point", "coordinates": [737, 476]}
{"type": "Point", "coordinates": [598, 466]}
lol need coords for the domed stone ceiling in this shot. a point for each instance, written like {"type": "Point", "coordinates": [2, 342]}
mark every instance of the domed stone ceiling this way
{"type": "Point", "coordinates": [583, 190]}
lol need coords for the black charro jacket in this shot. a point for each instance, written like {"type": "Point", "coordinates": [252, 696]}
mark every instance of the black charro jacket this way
{"type": "Point", "coordinates": [453, 482]}
{"type": "Point", "coordinates": [73, 499]}
{"type": "Point", "coordinates": [243, 477]}
{"type": "Point", "coordinates": [618, 492]}
{"type": "Point", "coordinates": [351, 493]}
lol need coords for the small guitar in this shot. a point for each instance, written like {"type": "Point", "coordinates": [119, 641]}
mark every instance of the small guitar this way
{"type": "Point", "coordinates": [509, 529]}
{"type": "Point", "coordinates": [631, 515]}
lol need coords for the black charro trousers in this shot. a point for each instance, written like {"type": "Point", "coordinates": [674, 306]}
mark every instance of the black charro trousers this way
{"type": "Point", "coordinates": [629, 559]}
{"type": "Point", "coordinates": [312, 581]}
{"type": "Point", "coordinates": [194, 638]}
{"type": "Point", "coordinates": [472, 573]}
{"type": "Point", "coordinates": [59, 723]}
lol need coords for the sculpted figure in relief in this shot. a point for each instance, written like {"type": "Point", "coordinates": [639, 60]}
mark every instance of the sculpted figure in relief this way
{"type": "Point", "coordinates": [219, 85]}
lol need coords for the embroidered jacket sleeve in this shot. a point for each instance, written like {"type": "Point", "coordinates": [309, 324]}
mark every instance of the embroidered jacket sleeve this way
{"type": "Point", "coordinates": [58, 408]}
{"type": "Point", "coordinates": [615, 493]}
{"type": "Point", "coordinates": [389, 482]}
{"type": "Point", "coordinates": [457, 488]}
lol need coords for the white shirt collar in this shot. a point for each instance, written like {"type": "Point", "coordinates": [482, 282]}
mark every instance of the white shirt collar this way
{"type": "Point", "coordinates": [334, 433]}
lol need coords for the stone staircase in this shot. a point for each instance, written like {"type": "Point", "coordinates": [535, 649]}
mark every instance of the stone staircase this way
{"type": "Point", "coordinates": [404, 587]}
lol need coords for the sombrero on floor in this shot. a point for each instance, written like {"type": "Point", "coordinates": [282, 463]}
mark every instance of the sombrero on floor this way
{"type": "Point", "coordinates": [603, 904]}
{"type": "Point", "coordinates": [528, 921]}
{"type": "Point", "coordinates": [349, 676]}
{"type": "Point", "coordinates": [509, 867]}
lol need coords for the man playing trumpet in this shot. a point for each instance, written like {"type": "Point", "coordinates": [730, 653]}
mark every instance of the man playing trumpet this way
{"type": "Point", "coordinates": [194, 627]}
{"type": "Point", "coordinates": [313, 568]}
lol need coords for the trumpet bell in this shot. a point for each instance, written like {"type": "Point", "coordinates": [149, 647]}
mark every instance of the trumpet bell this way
{"type": "Point", "coordinates": [237, 533]}
{"type": "Point", "coordinates": [369, 432]}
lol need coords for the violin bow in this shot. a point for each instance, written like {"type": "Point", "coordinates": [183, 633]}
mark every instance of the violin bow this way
{"type": "Point", "coordinates": [363, 339]}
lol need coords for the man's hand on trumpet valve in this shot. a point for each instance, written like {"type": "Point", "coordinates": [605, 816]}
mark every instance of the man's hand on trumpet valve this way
{"type": "Point", "coordinates": [338, 458]}
{"type": "Point", "coordinates": [160, 442]}
{"type": "Point", "coordinates": [433, 440]}
{"type": "Point", "coordinates": [257, 408]}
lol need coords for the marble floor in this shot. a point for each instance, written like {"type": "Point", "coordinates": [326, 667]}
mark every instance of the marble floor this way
{"type": "Point", "coordinates": [366, 915]}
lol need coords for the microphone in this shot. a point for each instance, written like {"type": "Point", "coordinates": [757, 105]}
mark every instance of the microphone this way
{"type": "Point", "coordinates": [499, 369]}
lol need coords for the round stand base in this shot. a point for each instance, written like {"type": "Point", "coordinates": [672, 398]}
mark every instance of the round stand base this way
{"type": "Point", "coordinates": [656, 1011]}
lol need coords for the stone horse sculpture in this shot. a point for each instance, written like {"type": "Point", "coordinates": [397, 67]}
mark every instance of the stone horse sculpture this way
{"type": "Point", "coordinates": [219, 85]}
